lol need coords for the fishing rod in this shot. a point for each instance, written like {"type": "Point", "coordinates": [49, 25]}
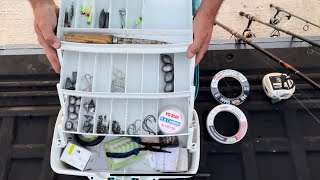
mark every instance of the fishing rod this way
{"type": "Point", "coordinates": [252, 18]}
{"type": "Point", "coordinates": [270, 55]}
{"type": "Point", "coordinates": [306, 27]}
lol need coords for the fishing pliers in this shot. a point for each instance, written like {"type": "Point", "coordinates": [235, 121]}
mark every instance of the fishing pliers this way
{"type": "Point", "coordinates": [147, 147]}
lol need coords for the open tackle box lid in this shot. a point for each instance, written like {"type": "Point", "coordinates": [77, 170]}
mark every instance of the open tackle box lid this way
{"type": "Point", "coordinates": [124, 83]}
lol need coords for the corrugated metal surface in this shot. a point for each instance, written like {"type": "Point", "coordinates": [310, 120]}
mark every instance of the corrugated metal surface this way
{"type": "Point", "coordinates": [283, 140]}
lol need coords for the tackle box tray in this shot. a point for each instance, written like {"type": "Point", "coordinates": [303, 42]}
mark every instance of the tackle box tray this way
{"type": "Point", "coordinates": [126, 81]}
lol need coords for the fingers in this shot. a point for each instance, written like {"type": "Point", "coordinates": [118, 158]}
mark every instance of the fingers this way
{"type": "Point", "coordinates": [196, 45]}
{"type": "Point", "coordinates": [49, 51]}
{"type": "Point", "coordinates": [203, 49]}
{"type": "Point", "coordinates": [53, 58]}
{"type": "Point", "coordinates": [47, 32]}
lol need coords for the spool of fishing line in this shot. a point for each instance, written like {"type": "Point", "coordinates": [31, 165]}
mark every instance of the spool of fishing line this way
{"type": "Point", "coordinates": [242, 120]}
{"type": "Point", "coordinates": [232, 74]}
{"type": "Point", "coordinates": [172, 120]}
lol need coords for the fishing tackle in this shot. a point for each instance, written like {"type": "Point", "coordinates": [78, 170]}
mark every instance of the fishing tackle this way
{"type": "Point", "coordinates": [68, 17]}
{"type": "Point", "coordinates": [252, 18]}
{"type": "Point", "coordinates": [147, 122]}
{"type": "Point", "coordinates": [134, 128]}
{"type": "Point", "coordinates": [137, 22]}
{"type": "Point", "coordinates": [89, 20]}
{"type": "Point", "coordinates": [305, 27]}
{"type": "Point", "coordinates": [274, 20]}
{"type": "Point", "coordinates": [103, 125]}
{"type": "Point", "coordinates": [247, 32]}
{"type": "Point", "coordinates": [270, 55]}
{"type": "Point", "coordinates": [104, 19]}
{"type": "Point", "coordinates": [122, 13]}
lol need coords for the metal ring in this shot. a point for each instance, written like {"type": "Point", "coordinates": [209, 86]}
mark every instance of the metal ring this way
{"type": "Point", "coordinates": [233, 74]}
{"type": "Point", "coordinates": [243, 124]}
{"type": "Point", "coordinates": [306, 27]}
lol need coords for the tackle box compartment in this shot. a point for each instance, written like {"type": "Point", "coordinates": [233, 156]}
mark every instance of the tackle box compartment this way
{"type": "Point", "coordinates": [126, 80]}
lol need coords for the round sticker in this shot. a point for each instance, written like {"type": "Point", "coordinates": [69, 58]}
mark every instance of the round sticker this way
{"type": "Point", "coordinates": [171, 120]}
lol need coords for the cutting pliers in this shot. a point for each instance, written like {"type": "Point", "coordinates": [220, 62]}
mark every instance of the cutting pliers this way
{"type": "Point", "coordinates": [147, 147]}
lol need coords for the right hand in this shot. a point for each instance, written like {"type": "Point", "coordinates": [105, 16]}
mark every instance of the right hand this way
{"type": "Point", "coordinates": [45, 23]}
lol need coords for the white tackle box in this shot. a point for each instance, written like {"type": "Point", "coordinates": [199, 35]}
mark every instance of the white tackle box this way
{"type": "Point", "coordinates": [142, 79]}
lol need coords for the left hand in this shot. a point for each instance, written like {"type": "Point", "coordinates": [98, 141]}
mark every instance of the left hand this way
{"type": "Point", "coordinates": [202, 29]}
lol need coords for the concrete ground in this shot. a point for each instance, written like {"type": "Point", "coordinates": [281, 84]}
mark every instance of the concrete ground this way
{"type": "Point", "coordinates": [17, 18]}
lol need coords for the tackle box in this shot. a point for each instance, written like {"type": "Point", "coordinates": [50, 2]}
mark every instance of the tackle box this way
{"type": "Point", "coordinates": [125, 82]}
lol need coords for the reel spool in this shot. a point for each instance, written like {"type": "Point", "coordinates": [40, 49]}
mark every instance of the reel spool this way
{"type": "Point", "coordinates": [278, 86]}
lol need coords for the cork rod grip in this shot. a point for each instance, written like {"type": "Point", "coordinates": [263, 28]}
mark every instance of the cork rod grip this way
{"type": "Point", "coordinates": [88, 38]}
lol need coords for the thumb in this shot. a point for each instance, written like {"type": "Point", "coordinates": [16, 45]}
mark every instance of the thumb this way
{"type": "Point", "coordinates": [49, 36]}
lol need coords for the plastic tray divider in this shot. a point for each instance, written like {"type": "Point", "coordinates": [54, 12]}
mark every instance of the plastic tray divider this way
{"type": "Point", "coordinates": [66, 114]}
{"type": "Point", "coordinates": [78, 82]}
{"type": "Point", "coordinates": [158, 73]}
{"type": "Point", "coordinates": [110, 116]}
{"type": "Point", "coordinates": [110, 13]}
{"type": "Point", "coordinates": [142, 14]}
{"type": "Point", "coordinates": [126, 78]}
{"type": "Point", "coordinates": [141, 116]}
{"type": "Point", "coordinates": [61, 99]}
{"type": "Point", "coordinates": [142, 75]}
{"type": "Point", "coordinates": [80, 119]}
{"type": "Point", "coordinates": [95, 117]}
{"type": "Point", "coordinates": [191, 106]}
{"type": "Point", "coordinates": [95, 69]}
{"type": "Point", "coordinates": [111, 73]}
{"type": "Point", "coordinates": [157, 115]}
{"type": "Point", "coordinates": [94, 14]}
{"type": "Point", "coordinates": [161, 82]}
{"type": "Point", "coordinates": [126, 118]}
{"type": "Point", "coordinates": [102, 74]}
{"type": "Point", "coordinates": [77, 10]}
{"type": "Point", "coordinates": [127, 12]}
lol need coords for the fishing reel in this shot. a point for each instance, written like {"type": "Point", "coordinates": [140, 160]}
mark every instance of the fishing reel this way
{"type": "Point", "coordinates": [248, 33]}
{"type": "Point", "coordinates": [276, 20]}
{"type": "Point", "coordinates": [278, 86]}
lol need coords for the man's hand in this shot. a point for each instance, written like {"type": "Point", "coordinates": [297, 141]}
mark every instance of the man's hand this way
{"type": "Point", "coordinates": [202, 28]}
{"type": "Point", "coordinates": [45, 23]}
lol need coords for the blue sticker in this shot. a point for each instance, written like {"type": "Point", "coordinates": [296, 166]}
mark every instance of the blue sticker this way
{"type": "Point", "coordinates": [170, 121]}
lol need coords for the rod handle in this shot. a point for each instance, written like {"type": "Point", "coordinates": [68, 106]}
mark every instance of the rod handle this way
{"type": "Point", "coordinates": [88, 38]}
